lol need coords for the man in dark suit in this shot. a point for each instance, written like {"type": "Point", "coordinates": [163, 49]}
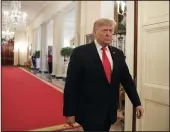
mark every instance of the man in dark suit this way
{"type": "Point", "coordinates": [94, 74]}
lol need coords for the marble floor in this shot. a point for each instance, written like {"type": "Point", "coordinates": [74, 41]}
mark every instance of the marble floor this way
{"type": "Point", "coordinates": [118, 126]}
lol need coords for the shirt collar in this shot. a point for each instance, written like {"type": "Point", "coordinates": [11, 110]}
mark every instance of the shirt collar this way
{"type": "Point", "coordinates": [98, 46]}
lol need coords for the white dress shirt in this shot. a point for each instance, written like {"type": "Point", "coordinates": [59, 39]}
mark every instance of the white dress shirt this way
{"type": "Point", "coordinates": [99, 49]}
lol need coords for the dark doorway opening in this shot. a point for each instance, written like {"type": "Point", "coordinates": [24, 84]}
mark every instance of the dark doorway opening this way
{"type": "Point", "coordinates": [7, 52]}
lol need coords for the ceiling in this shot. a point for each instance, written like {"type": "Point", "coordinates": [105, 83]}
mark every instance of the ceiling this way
{"type": "Point", "coordinates": [69, 20]}
{"type": "Point", "coordinates": [32, 8]}
{"type": "Point", "coordinates": [70, 16]}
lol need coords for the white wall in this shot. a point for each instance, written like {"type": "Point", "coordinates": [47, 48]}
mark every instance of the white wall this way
{"type": "Point", "coordinates": [68, 34]}
{"type": "Point", "coordinates": [21, 44]}
{"type": "Point", "coordinates": [107, 13]}
{"type": "Point", "coordinates": [29, 40]}
{"type": "Point", "coordinates": [88, 16]}
{"type": "Point", "coordinates": [90, 12]}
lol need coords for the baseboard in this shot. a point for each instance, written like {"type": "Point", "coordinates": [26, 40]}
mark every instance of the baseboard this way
{"type": "Point", "coordinates": [43, 71]}
{"type": "Point", "coordinates": [19, 65]}
{"type": "Point", "coordinates": [53, 76]}
{"type": "Point", "coordinates": [58, 77]}
{"type": "Point", "coordinates": [37, 69]}
{"type": "Point", "coordinates": [64, 78]}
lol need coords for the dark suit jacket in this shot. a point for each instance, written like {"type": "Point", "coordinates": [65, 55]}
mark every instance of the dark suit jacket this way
{"type": "Point", "coordinates": [87, 93]}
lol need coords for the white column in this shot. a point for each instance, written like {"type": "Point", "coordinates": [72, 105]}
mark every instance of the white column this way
{"type": "Point", "coordinates": [43, 51]}
{"type": "Point", "coordinates": [54, 48]}
{"type": "Point", "coordinates": [58, 40]}
{"type": "Point", "coordinates": [38, 45]}
{"type": "Point", "coordinates": [34, 41]}
{"type": "Point", "coordinates": [39, 38]}
{"type": "Point", "coordinates": [77, 23]}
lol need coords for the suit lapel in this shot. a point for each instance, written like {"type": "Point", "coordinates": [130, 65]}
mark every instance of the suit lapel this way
{"type": "Point", "coordinates": [98, 61]}
{"type": "Point", "coordinates": [113, 53]}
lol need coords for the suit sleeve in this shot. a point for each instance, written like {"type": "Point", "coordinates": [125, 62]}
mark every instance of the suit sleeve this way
{"type": "Point", "coordinates": [72, 80]}
{"type": "Point", "coordinates": [129, 85]}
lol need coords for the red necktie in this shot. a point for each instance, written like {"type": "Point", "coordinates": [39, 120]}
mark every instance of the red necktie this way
{"type": "Point", "coordinates": [106, 64]}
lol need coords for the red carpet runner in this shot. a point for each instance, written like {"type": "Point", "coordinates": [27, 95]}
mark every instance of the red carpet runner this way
{"type": "Point", "coordinates": [27, 102]}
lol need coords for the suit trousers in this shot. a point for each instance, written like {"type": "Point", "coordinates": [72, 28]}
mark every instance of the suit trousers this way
{"type": "Point", "coordinates": [103, 126]}
{"type": "Point", "coordinates": [50, 67]}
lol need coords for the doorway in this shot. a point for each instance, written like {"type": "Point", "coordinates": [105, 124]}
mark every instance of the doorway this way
{"type": "Point", "coordinates": [7, 52]}
{"type": "Point", "coordinates": [152, 63]}
{"type": "Point", "coordinates": [124, 38]}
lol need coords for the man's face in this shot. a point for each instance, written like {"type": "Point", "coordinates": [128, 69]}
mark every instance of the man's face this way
{"type": "Point", "coordinates": [103, 34]}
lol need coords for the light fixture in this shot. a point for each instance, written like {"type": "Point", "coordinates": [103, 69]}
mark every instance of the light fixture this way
{"type": "Point", "coordinates": [7, 35]}
{"type": "Point", "coordinates": [15, 17]}
{"type": "Point", "coordinates": [121, 5]}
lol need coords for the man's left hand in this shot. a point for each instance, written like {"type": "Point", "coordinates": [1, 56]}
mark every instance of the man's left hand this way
{"type": "Point", "coordinates": [139, 112]}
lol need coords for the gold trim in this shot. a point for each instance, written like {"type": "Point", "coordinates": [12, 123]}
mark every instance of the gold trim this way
{"type": "Point", "coordinates": [57, 127]}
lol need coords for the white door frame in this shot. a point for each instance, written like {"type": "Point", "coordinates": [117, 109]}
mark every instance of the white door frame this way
{"type": "Point", "coordinates": [129, 60]}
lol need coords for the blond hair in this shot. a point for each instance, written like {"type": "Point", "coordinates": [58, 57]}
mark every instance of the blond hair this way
{"type": "Point", "coordinates": [103, 21]}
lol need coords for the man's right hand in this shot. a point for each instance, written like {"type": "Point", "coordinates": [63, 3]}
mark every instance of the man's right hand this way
{"type": "Point", "coordinates": [70, 120]}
